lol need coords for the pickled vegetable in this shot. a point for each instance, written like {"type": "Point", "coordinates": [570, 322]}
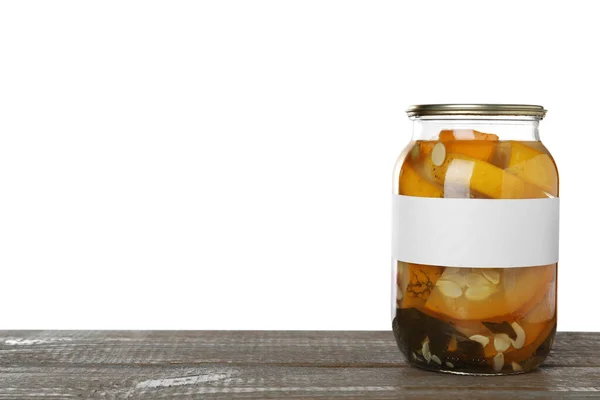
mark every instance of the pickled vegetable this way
{"type": "Point", "coordinates": [515, 293]}
{"type": "Point", "coordinates": [533, 166]}
{"type": "Point", "coordinates": [464, 171]}
{"type": "Point", "coordinates": [413, 184]}
{"type": "Point", "coordinates": [420, 282]}
{"type": "Point", "coordinates": [482, 320]}
{"type": "Point", "coordinates": [468, 142]}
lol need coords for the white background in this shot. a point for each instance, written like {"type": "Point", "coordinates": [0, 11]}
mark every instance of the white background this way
{"type": "Point", "coordinates": [227, 165]}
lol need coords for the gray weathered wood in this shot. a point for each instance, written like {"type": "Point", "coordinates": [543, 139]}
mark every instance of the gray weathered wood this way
{"type": "Point", "coordinates": [124, 365]}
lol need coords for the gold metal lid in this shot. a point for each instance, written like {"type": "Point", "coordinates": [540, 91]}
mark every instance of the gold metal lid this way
{"type": "Point", "coordinates": [476, 109]}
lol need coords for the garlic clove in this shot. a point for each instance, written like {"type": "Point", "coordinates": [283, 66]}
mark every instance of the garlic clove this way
{"type": "Point", "coordinates": [478, 293]}
{"type": "Point", "coordinates": [438, 154]}
{"type": "Point", "coordinates": [520, 340]}
{"type": "Point", "coordinates": [498, 362]}
{"type": "Point", "coordinates": [449, 288]}
{"type": "Point", "coordinates": [426, 352]}
{"type": "Point", "coordinates": [475, 280]}
{"type": "Point", "coordinates": [502, 342]}
{"type": "Point", "coordinates": [454, 275]}
{"type": "Point", "coordinates": [483, 340]}
{"type": "Point", "coordinates": [491, 275]}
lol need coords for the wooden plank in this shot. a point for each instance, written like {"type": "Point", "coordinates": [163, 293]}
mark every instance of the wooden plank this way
{"type": "Point", "coordinates": [189, 347]}
{"type": "Point", "coordinates": [219, 381]}
{"type": "Point", "coordinates": [265, 365]}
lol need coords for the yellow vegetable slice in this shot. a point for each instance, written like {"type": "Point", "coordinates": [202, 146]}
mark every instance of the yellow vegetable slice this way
{"type": "Point", "coordinates": [413, 184]}
{"type": "Point", "coordinates": [534, 167]}
{"type": "Point", "coordinates": [419, 282]}
{"type": "Point", "coordinates": [519, 290]}
{"type": "Point", "coordinates": [511, 153]}
{"type": "Point", "coordinates": [528, 163]}
{"type": "Point", "coordinates": [538, 171]}
{"type": "Point", "coordinates": [468, 142]}
{"type": "Point", "coordinates": [545, 310]}
{"type": "Point", "coordinates": [466, 134]}
{"type": "Point", "coordinates": [481, 176]}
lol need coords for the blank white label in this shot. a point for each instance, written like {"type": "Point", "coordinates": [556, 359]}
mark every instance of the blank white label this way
{"type": "Point", "coordinates": [475, 232]}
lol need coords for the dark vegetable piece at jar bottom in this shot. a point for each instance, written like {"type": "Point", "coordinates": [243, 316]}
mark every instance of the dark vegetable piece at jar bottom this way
{"type": "Point", "coordinates": [433, 344]}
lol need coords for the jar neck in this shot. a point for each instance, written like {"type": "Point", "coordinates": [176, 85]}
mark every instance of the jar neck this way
{"type": "Point", "coordinates": [506, 127]}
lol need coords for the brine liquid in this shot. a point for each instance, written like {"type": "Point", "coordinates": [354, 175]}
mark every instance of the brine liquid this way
{"type": "Point", "coordinates": [475, 320]}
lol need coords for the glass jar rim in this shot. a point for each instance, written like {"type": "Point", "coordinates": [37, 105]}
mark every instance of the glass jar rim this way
{"type": "Point", "coordinates": [476, 110]}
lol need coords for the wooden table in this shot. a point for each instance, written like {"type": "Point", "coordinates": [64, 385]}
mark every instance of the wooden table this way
{"type": "Point", "coordinates": [165, 365]}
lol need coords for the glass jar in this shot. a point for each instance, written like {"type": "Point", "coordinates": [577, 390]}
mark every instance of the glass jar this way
{"type": "Point", "coordinates": [475, 240]}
